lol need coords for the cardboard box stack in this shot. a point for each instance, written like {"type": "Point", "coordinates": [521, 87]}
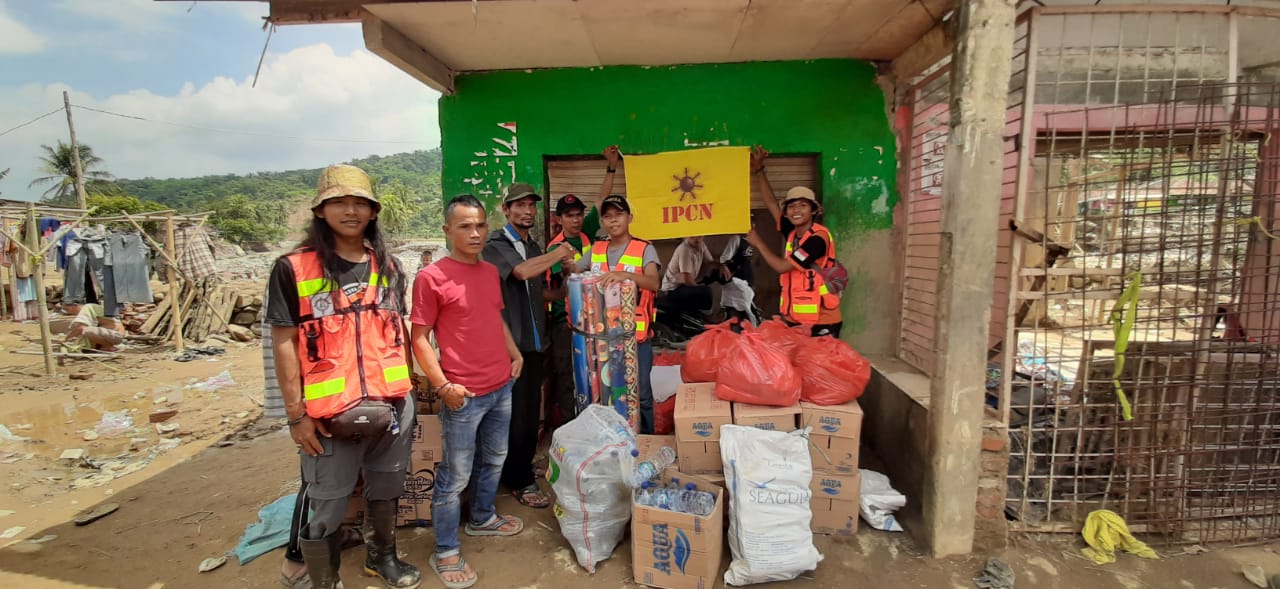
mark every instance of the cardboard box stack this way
{"type": "Point", "coordinates": [834, 449]}
{"type": "Point", "coordinates": [415, 504]}
{"type": "Point", "coordinates": [676, 550]}
{"type": "Point", "coordinates": [699, 415]}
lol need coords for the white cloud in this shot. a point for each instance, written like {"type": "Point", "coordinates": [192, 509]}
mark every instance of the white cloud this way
{"type": "Point", "coordinates": [17, 38]}
{"type": "Point", "coordinates": [146, 16]}
{"type": "Point", "coordinates": [308, 92]}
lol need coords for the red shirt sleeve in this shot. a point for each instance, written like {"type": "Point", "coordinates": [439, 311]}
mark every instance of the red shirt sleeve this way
{"type": "Point", "coordinates": [426, 302]}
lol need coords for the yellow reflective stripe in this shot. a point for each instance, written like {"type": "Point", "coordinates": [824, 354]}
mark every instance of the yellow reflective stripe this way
{"type": "Point", "coordinates": [327, 388]}
{"type": "Point", "coordinates": [378, 279]}
{"type": "Point", "coordinates": [805, 309]}
{"type": "Point", "coordinates": [642, 325]}
{"type": "Point", "coordinates": [822, 290]}
{"type": "Point", "coordinates": [395, 373]}
{"type": "Point", "coordinates": [626, 260]}
{"type": "Point", "coordinates": [307, 288]}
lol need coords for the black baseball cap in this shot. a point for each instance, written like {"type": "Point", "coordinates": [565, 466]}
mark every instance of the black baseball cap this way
{"type": "Point", "coordinates": [615, 200]}
{"type": "Point", "coordinates": [569, 202]}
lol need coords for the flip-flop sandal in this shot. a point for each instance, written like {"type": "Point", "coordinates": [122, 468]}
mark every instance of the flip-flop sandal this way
{"type": "Point", "coordinates": [493, 527]}
{"type": "Point", "coordinates": [185, 357]}
{"type": "Point", "coordinates": [89, 516]}
{"type": "Point", "coordinates": [522, 495]}
{"type": "Point", "coordinates": [302, 581]}
{"type": "Point", "coordinates": [457, 567]}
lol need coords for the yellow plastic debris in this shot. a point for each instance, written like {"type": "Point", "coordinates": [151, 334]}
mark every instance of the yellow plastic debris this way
{"type": "Point", "coordinates": [1105, 532]}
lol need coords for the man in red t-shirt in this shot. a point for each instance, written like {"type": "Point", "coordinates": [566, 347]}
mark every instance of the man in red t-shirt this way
{"type": "Point", "coordinates": [460, 299]}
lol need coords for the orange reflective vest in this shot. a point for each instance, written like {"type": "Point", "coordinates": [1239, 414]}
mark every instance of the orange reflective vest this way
{"type": "Point", "coordinates": [632, 260]}
{"type": "Point", "coordinates": [803, 290]}
{"type": "Point", "coordinates": [349, 351]}
{"type": "Point", "coordinates": [586, 245]}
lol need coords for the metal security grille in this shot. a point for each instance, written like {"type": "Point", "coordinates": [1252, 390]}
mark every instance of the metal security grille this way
{"type": "Point", "coordinates": [929, 99]}
{"type": "Point", "coordinates": [1148, 272]}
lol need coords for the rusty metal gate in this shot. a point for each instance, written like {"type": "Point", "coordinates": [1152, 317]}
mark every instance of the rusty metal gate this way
{"type": "Point", "coordinates": [1140, 366]}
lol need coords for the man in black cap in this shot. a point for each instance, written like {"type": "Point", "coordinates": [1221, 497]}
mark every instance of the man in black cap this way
{"type": "Point", "coordinates": [571, 212]}
{"type": "Point", "coordinates": [521, 267]}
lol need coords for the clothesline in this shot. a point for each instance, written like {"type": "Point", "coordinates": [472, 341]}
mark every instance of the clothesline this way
{"type": "Point", "coordinates": [63, 214]}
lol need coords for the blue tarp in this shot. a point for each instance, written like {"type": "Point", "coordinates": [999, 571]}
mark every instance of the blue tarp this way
{"type": "Point", "coordinates": [270, 532]}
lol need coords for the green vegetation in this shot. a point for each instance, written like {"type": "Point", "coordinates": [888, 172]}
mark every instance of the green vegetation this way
{"type": "Point", "coordinates": [257, 207]}
{"type": "Point", "coordinates": [60, 172]}
{"type": "Point", "coordinates": [253, 207]}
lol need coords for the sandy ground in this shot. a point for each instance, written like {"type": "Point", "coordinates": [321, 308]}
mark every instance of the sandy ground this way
{"type": "Point", "coordinates": [193, 501]}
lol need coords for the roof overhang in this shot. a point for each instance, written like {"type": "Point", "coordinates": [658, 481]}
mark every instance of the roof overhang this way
{"type": "Point", "coordinates": [436, 39]}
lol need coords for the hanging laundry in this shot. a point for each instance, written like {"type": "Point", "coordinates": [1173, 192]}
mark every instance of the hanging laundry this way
{"type": "Point", "coordinates": [130, 268]}
{"type": "Point", "coordinates": [194, 252]}
{"type": "Point", "coordinates": [88, 272]}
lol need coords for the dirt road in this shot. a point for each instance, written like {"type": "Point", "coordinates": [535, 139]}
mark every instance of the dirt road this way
{"type": "Point", "coordinates": [194, 501]}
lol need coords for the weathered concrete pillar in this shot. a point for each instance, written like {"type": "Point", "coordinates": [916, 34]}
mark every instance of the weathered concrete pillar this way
{"type": "Point", "coordinates": [966, 267]}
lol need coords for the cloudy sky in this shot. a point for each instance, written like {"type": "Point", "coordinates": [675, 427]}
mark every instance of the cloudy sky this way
{"type": "Point", "coordinates": [188, 67]}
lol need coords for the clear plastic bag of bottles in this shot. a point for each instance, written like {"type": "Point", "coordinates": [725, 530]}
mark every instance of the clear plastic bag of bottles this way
{"type": "Point", "coordinates": [590, 467]}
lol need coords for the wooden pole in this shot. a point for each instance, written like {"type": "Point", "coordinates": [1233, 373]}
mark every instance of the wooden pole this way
{"type": "Point", "coordinates": [75, 154]}
{"type": "Point", "coordinates": [174, 286]}
{"type": "Point", "coordinates": [46, 338]}
{"type": "Point", "coordinates": [3, 271]}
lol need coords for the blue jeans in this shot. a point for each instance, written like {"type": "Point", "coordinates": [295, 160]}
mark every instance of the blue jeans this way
{"type": "Point", "coordinates": [644, 353]}
{"type": "Point", "coordinates": [474, 436]}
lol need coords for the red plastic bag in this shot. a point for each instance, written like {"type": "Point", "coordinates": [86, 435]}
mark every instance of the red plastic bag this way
{"type": "Point", "coordinates": [668, 358]}
{"type": "Point", "coordinates": [755, 371]}
{"type": "Point", "coordinates": [705, 352]}
{"type": "Point", "coordinates": [783, 336]}
{"type": "Point", "coordinates": [832, 372]}
{"type": "Point", "coordinates": [664, 417]}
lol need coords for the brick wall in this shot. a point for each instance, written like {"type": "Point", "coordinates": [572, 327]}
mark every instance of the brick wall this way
{"type": "Point", "coordinates": [991, 530]}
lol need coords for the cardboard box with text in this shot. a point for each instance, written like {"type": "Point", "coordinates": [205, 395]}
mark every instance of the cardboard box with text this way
{"type": "Point", "coordinates": [699, 413]}
{"type": "Point", "coordinates": [699, 457]}
{"type": "Point", "coordinates": [676, 550]}
{"type": "Point", "coordinates": [835, 503]}
{"type": "Point", "coordinates": [765, 417]}
{"type": "Point", "coordinates": [833, 455]}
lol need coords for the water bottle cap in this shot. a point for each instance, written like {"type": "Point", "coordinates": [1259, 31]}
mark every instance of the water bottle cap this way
{"type": "Point", "coordinates": [635, 452]}
{"type": "Point", "coordinates": [690, 486]}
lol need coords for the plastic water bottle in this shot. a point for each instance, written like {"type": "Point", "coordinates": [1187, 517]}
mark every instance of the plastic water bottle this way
{"type": "Point", "coordinates": [703, 503]}
{"type": "Point", "coordinates": [662, 499]}
{"type": "Point", "coordinates": [688, 498]}
{"type": "Point", "coordinates": [647, 470]}
{"type": "Point", "coordinates": [645, 495]}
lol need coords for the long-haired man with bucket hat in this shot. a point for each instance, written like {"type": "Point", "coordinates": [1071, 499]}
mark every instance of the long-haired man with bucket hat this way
{"type": "Point", "coordinates": [336, 307]}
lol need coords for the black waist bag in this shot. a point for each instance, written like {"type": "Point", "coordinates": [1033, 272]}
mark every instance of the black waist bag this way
{"type": "Point", "coordinates": [369, 420]}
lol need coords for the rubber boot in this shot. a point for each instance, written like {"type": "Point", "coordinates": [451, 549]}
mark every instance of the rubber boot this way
{"type": "Point", "coordinates": [322, 558]}
{"type": "Point", "coordinates": [380, 538]}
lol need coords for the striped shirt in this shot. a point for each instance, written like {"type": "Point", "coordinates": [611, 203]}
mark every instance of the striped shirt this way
{"type": "Point", "coordinates": [273, 405]}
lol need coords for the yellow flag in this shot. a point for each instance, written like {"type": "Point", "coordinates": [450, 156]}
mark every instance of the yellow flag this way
{"type": "Point", "coordinates": [685, 193]}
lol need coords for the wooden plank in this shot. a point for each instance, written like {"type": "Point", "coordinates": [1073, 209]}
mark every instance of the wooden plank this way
{"type": "Point", "coordinates": [918, 307]}
{"type": "Point", "coordinates": [1081, 272]}
{"type": "Point", "coordinates": [150, 324]}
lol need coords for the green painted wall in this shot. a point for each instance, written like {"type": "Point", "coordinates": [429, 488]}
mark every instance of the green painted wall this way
{"type": "Point", "coordinates": [831, 107]}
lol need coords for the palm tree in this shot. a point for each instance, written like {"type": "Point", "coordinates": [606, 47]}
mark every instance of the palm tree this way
{"type": "Point", "coordinates": [61, 171]}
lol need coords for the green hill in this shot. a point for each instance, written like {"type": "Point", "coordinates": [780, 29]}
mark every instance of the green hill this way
{"type": "Point", "coordinates": [257, 207]}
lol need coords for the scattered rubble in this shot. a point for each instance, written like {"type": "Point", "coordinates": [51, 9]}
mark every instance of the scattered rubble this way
{"type": "Point", "coordinates": [209, 564]}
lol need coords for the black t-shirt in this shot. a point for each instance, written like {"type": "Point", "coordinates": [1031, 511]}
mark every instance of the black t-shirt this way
{"type": "Point", "coordinates": [282, 291]}
{"type": "Point", "coordinates": [813, 248]}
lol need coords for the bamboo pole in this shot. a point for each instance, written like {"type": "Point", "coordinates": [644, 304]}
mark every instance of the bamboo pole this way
{"type": "Point", "coordinates": [174, 287]}
{"type": "Point", "coordinates": [46, 338]}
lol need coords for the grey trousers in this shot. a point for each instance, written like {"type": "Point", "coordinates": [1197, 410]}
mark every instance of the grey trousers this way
{"type": "Point", "coordinates": [89, 259]}
{"type": "Point", "coordinates": [331, 476]}
{"type": "Point", "coordinates": [130, 268]}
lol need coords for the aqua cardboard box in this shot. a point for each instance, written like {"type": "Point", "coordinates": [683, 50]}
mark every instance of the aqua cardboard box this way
{"type": "Point", "coordinates": [766, 417]}
{"type": "Point", "coordinates": [675, 550]}
{"type": "Point", "coordinates": [699, 413]}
